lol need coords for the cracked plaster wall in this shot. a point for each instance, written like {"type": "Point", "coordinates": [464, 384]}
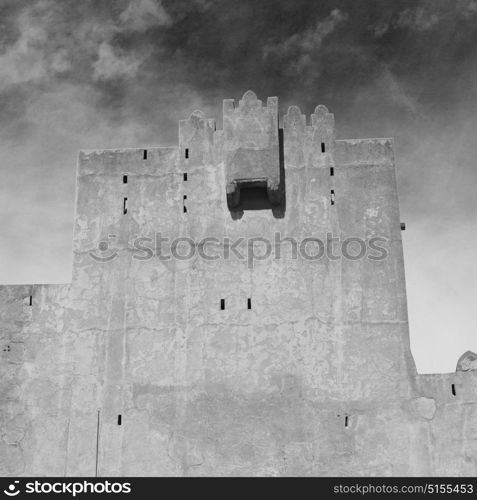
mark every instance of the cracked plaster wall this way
{"type": "Point", "coordinates": [316, 379]}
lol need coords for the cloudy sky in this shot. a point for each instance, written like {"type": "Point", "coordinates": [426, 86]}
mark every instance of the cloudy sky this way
{"type": "Point", "coordinates": [90, 74]}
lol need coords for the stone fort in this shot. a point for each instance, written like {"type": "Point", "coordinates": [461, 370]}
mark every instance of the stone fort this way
{"type": "Point", "coordinates": [213, 367]}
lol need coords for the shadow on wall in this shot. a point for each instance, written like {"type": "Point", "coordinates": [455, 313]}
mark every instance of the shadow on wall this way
{"type": "Point", "coordinates": [255, 196]}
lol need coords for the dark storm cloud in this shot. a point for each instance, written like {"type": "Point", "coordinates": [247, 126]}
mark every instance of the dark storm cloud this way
{"type": "Point", "coordinates": [121, 73]}
{"type": "Point", "coordinates": [126, 51]}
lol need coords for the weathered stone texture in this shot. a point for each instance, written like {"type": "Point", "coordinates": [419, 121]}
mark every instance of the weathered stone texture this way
{"type": "Point", "coordinates": [316, 379]}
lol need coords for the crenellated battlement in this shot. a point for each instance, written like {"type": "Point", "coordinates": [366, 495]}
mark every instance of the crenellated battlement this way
{"type": "Point", "coordinates": [249, 143]}
{"type": "Point", "coordinates": [321, 129]}
{"type": "Point", "coordinates": [309, 144]}
{"type": "Point", "coordinates": [250, 124]}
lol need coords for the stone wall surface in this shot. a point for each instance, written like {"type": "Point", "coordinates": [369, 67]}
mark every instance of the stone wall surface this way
{"type": "Point", "coordinates": [315, 378]}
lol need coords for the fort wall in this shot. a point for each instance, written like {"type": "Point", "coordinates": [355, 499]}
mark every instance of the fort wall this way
{"type": "Point", "coordinates": [151, 366]}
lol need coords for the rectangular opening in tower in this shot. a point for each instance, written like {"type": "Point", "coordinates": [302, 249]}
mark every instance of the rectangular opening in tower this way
{"type": "Point", "coordinates": [125, 179]}
{"type": "Point", "coordinates": [249, 303]}
{"type": "Point", "coordinates": [125, 206]}
{"type": "Point", "coordinates": [120, 419]}
{"type": "Point", "coordinates": [322, 147]}
{"type": "Point", "coordinates": [31, 300]}
{"type": "Point", "coordinates": [184, 205]}
{"type": "Point", "coordinates": [222, 304]}
{"type": "Point", "coordinates": [332, 196]}
{"type": "Point", "coordinates": [144, 154]}
{"type": "Point", "coordinates": [185, 176]}
{"type": "Point", "coordinates": [332, 171]}
{"type": "Point", "coordinates": [346, 421]}
{"type": "Point", "coordinates": [186, 153]}
{"type": "Point", "coordinates": [453, 389]}
{"type": "Point", "coordinates": [254, 198]}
